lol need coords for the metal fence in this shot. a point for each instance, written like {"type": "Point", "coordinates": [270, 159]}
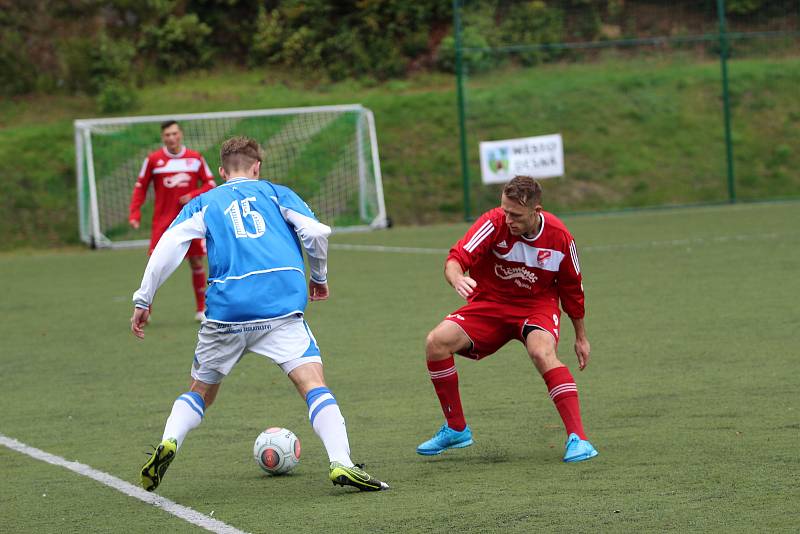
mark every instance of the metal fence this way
{"type": "Point", "coordinates": [658, 103]}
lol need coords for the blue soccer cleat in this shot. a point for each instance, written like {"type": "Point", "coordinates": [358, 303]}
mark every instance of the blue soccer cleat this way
{"type": "Point", "coordinates": [578, 450]}
{"type": "Point", "coordinates": [446, 438]}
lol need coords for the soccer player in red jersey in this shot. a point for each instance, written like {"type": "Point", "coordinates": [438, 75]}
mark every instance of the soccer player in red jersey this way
{"type": "Point", "coordinates": [178, 175]}
{"type": "Point", "coordinates": [513, 267]}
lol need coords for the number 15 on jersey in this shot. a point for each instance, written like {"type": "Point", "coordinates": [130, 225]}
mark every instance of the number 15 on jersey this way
{"type": "Point", "coordinates": [237, 215]}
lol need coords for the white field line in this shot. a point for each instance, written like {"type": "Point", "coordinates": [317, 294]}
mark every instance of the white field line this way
{"type": "Point", "coordinates": [588, 248]}
{"type": "Point", "coordinates": [183, 512]}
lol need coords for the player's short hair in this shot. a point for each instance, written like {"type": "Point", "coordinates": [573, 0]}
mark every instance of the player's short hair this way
{"type": "Point", "coordinates": [525, 190]}
{"type": "Point", "coordinates": [167, 124]}
{"type": "Point", "coordinates": [239, 153]}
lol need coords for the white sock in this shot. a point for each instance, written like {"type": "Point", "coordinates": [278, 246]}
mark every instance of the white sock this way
{"type": "Point", "coordinates": [328, 423]}
{"type": "Point", "coordinates": [187, 413]}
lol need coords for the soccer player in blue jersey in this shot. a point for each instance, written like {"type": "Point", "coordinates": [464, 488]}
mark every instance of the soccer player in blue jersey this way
{"type": "Point", "coordinates": [255, 233]}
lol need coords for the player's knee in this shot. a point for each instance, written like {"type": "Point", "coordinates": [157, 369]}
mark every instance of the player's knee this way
{"type": "Point", "coordinates": [542, 356]}
{"type": "Point", "coordinates": [430, 342]}
{"type": "Point", "coordinates": [435, 348]}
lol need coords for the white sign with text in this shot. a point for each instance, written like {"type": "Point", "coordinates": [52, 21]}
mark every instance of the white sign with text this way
{"type": "Point", "coordinates": [538, 157]}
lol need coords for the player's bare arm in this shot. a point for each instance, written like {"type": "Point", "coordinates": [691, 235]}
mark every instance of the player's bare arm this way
{"type": "Point", "coordinates": [582, 347]}
{"type": "Point", "coordinates": [463, 284]}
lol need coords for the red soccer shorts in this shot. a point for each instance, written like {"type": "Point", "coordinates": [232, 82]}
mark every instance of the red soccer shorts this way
{"type": "Point", "coordinates": [490, 325]}
{"type": "Point", "coordinates": [196, 248]}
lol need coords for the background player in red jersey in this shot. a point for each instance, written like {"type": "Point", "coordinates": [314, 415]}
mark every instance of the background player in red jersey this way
{"type": "Point", "coordinates": [178, 175]}
{"type": "Point", "coordinates": [521, 261]}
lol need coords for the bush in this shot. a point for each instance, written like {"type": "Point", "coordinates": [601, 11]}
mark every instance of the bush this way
{"type": "Point", "coordinates": [744, 7]}
{"type": "Point", "coordinates": [110, 61]}
{"type": "Point", "coordinates": [346, 54]}
{"type": "Point", "coordinates": [533, 23]}
{"type": "Point", "coordinates": [472, 60]}
{"type": "Point", "coordinates": [16, 75]}
{"type": "Point", "coordinates": [179, 44]}
{"type": "Point", "coordinates": [76, 58]}
{"type": "Point", "coordinates": [116, 96]}
{"type": "Point", "coordinates": [267, 39]}
{"type": "Point", "coordinates": [378, 39]}
{"type": "Point", "coordinates": [302, 49]}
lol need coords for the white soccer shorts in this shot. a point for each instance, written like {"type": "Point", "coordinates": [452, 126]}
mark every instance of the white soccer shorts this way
{"type": "Point", "coordinates": [286, 341]}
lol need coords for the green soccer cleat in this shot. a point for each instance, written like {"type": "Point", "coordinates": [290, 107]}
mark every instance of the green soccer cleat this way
{"type": "Point", "coordinates": [153, 469]}
{"type": "Point", "coordinates": [355, 476]}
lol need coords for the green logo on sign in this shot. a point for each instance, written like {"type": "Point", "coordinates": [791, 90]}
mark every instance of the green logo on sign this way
{"type": "Point", "coordinates": [498, 160]}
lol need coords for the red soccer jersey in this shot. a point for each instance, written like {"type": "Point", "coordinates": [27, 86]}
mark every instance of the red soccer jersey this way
{"type": "Point", "coordinates": [173, 175]}
{"type": "Point", "coordinates": [516, 270]}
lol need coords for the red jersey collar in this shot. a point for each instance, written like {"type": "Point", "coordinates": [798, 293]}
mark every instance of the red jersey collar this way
{"type": "Point", "coordinates": [169, 154]}
{"type": "Point", "coordinates": [538, 235]}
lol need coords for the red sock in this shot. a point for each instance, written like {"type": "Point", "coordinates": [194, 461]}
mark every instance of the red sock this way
{"type": "Point", "coordinates": [445, 382]}
{"type": "Point", "coordinates": [199, 283]}
{"type": "Point", "coordinates": [564, 394]}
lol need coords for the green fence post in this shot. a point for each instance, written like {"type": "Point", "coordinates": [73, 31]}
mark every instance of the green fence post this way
{"type": "Point", "coordinates": [461, 119]}
{"type": "Point", "coordinates": [726, 103]}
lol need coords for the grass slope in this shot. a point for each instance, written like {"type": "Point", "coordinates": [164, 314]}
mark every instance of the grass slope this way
{"type": "Point", "coordinates": [689, 396]}
{"type": "Point", "coordinates": [637, 132]}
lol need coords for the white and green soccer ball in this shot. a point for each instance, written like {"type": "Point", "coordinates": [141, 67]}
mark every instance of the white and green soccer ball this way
{"type": "Point", "coordinates": [277, 450]}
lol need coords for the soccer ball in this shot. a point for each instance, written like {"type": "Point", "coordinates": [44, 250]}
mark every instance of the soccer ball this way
{"type": "Point", "coordinates": [277, 450]}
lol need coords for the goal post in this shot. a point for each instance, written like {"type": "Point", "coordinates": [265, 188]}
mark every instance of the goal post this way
{"type": "Point", "coordinates": [327, 154]}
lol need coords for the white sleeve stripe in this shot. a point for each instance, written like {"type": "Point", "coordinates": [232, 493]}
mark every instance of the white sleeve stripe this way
{"type": "Point", "coordinates": [484, 235]}
{"type": "Point", "coordinates": [479, 237]}
{"type": "Point", "coordinates": [475, 236]}
{"type": "Point", "coordinates": [144, 168]}
{"type": "Point", "coordinates": [574, 253]}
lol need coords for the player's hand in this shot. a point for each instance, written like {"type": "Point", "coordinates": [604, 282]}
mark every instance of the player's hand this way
{"type": "Point", "coordinates": [317, 291]}
{"type": "Point", "coordinates": [139, 320]}
{"type": "Point", "coordinates": [582, 350]}
{"type": "Point", "coordinates": [465, 286]}
{"type": "Point", "coordinates": [134, 224]}
{"type": "Point", "coordinates": [184, 199]}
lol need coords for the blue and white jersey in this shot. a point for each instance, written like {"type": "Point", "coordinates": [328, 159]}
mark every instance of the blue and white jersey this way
{"type": "Point", "coordinates": [255, 234]}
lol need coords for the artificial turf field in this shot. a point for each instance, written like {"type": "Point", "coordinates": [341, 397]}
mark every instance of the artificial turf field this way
{"type": "Point", "coordinates": [691, 395]}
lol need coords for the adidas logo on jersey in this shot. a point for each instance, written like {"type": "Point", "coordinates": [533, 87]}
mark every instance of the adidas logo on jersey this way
{"type": "Point", "coordinates": [502, 244]}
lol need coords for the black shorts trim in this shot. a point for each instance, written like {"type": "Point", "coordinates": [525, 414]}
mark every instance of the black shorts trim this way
{"type": "Point", "coordinates": [528, 328]}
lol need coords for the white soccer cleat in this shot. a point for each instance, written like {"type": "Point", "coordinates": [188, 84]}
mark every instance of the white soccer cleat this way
{"type": "Point", "coordinates": [199, 317]}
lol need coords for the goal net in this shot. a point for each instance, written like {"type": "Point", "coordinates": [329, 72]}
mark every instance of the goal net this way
{"type": "Point", "coordinates": [326, 154]}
